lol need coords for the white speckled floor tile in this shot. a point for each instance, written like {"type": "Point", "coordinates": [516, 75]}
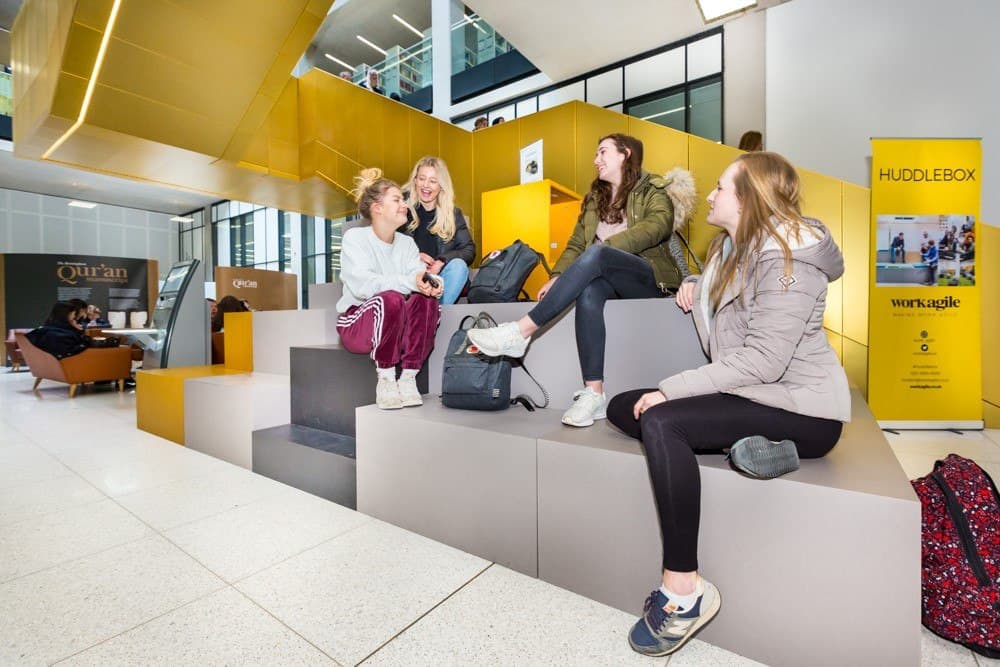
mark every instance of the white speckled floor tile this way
{"type": "Point", "coordinates": [352, 594]}
{"type": "Point", "coordinates": [188, 500]}
{"type": "Point", "coordinates": [24, 463]}
{"type": "Point", "coordinates": [937, 652]}
{"type": "Point", "coordinates": [141, 474]}
{"type": "Point", "coordinates": [41, 542]}
{"type": "Point", "coordinates": [222, 629]}
{"type": "Point", "coordinates": [58, 612]}
{"type": "Point", "coordinates": [25, 501]}
{"type": "Point", "coordinates": [507, 618]}
{"type": "Point", "coordinates": [241, 541]}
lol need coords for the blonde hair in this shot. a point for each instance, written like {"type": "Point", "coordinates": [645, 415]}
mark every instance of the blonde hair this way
{"type": "Point", "coordinates": [769, 192]}
{"type": "Point", "coordinates": [369, 188]}
{"type": "Point", "coordinates": [444, 220]}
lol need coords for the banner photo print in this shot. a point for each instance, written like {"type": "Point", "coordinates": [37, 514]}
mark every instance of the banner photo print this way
{"type": "Point", "coordinates": [925, 341]}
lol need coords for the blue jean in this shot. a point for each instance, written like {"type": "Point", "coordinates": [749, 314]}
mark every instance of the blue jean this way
{"type": "Point", "coordinates": [455, 274]}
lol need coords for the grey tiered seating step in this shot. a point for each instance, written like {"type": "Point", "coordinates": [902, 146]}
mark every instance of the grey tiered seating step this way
{"type": "Point", "coordinates": [319, 462]}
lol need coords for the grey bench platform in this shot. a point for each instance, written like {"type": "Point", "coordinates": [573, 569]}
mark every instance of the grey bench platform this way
{"type": "Point", "coordinates": [315, 452]}
{"type": "Point", "coordinates": [836, 544]}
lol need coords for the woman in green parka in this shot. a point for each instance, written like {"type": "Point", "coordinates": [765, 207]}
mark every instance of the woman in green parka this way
{"type": "Point", "coordinates": [618, 250]}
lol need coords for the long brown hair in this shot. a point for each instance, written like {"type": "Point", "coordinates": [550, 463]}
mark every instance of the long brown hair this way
{"type": "Point", "coordinates": [600, 191]}
{"type": "Point", "coordinates": [770, 193]}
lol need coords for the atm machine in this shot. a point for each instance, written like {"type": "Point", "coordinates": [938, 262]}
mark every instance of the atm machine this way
{"type": "Point", "coordinates": [178, 334]}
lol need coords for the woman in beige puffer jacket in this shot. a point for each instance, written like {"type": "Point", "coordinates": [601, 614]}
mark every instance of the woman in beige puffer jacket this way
{"type": "Point", "coordinates": [758, 309]}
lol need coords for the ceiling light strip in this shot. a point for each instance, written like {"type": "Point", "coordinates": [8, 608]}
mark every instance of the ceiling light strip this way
{"type": "Point", "coordinates": [412, 29]}
{"type": "Point", "coordinates": [339, 61]}
{"type": "Point", "coordinates": [377, 48]}
{"type": "Point", "coordinates": [105, 40]}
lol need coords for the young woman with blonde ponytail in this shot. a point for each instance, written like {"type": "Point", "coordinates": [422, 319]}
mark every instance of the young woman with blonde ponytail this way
{"type": "Point", "coordinates": [774, 390]}
{"type": "Point", "coordinates": [390, 306]}
{"type": "Point", "coordinates": [438, 226]}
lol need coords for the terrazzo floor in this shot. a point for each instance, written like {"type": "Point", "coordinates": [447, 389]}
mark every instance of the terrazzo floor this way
{"type": "Point", "coordinates": [120, 548]}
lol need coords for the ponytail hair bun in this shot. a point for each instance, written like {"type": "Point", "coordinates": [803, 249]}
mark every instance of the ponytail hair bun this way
{"type": "Point", "coordinates": [370, 187]}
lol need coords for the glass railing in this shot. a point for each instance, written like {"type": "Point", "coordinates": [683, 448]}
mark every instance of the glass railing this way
{"type": "Point", "coordinates": [6, 94]}
{"type": "Point", "coordinates": [404, 71]}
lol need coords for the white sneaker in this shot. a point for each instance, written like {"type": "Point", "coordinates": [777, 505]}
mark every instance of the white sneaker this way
{"type": "Point", "coordinates": [587, 406]}
{"type": "Point", "coordinates": [408, 392]}
{"type": "Point", "coordinates": [387, 395]}
{"type": "Point", "coordinates": [500, 341]}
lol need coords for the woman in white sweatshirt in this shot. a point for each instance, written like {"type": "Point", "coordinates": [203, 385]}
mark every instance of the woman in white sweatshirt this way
{"type": "Point", "coordinates": [390, 304]}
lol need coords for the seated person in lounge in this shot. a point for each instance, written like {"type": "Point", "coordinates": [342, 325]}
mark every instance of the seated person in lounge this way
{"type": "Point", "coordinates": [213, 308]}
{"type": "Point", "coordinates": [619, 249]}
{"type": "Point", "coordinates": [61, 335]}
{"type": "Point", "coordinates": [227, 304]}
{"type": "Point", "coordinates": [94, 318]}
{"type": "Point", "coordinates": [438, 226]}
{"type": "Point", "coordinates": [897, 249]}
{"type": "Point", "coordinates": [79, 313]}
{"type": "Point", "coordinates": [758, 310]}
{"type": "Point", "coordinates": [390, 308]}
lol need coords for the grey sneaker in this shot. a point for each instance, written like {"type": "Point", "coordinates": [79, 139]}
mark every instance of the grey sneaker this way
{"type": "Point", "coordinates": [761, 458]}
{"type": "Point", "coordinates": [408, 392]}
{"type": "Point", "coordinates": [663, 628]}
{"type": "Point", "coordinates": [587, 406]}
{"type": "Point", "coordinates": [504, 340]}
{"type": "Point", "coordinates": [387, 394]}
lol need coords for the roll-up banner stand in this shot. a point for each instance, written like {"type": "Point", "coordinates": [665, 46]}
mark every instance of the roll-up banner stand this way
{"type": "Point", "coordinates": [925, 337]}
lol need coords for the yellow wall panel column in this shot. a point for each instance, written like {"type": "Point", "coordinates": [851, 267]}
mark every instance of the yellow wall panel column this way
{"type": "Point", "coordinates": [706, 160]}
{"type": "Point", "coordinates": [855, 362]}
{"type": "Point", "coordinates": [555, 127]}
{"type": "Point", "coordinates": [424, 137]}
{"type": "Point", "coordinates": [664, 147]}
{"type": "Point", "coordinates": [823, 199]}
{"type": "Point", "coordinates": [456, 150]}
{"type": "Point", "coordinates": [592, 123]}
{"type": "Point", "coordinates": [857, 261]}
{"type": "Point", "coordinates": [495, 165]}
{"type": "Point", "coordinates": [988, 247]}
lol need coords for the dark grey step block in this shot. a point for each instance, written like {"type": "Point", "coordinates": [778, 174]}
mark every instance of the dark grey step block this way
{"type": "Point", "coordinates": [318, 462]}
{"type": "Point", "coordinates": [329, 382]}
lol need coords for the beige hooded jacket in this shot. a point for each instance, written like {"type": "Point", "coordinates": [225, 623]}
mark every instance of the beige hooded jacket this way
{"type": "Point", "coordinates": [770, 346]}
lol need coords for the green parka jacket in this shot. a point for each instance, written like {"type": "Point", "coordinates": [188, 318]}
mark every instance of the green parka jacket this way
{"type": "Point", "coordinates": [650, 216]}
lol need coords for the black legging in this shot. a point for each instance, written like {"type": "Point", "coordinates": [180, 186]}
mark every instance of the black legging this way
{"type": "Point", "coordinates": [672, 432]}
{"type": "Point", "coordinates": [599, 274]}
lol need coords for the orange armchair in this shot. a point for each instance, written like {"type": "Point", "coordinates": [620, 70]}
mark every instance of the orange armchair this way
{"type": "Point", "coordinates": [13, 352]}
{"type": "Point", "coordinates": [92, 365]}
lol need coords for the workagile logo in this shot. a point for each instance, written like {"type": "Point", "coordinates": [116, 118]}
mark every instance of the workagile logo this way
{"type": "Point", "coordinates": [924, 175]}
{"type": "Point", "coordinates": [943, 303]}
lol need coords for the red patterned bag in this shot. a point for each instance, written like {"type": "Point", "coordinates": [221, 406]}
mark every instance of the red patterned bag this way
{"type": "Point", "coordinates": [961, 554]}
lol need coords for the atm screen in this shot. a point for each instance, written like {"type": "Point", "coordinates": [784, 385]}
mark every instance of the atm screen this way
{"type": "Point", "coordinates": [174, 279]}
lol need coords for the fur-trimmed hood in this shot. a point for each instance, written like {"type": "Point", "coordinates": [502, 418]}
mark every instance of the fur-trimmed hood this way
{"type": "Point", "coordinates": [681, 190]}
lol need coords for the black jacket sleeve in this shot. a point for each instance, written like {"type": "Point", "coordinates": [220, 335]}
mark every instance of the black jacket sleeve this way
{"type": "Point", "coordinates": [461, 244]}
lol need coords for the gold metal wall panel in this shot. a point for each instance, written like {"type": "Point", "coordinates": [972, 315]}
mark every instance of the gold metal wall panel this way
{"type": "Point", "coordinates": [706, 160]}
{"type": "Point", "coordinates": [855, 361]}
{"type": "Point", "coordinates": [857, 260]}
{"type": "Point", "coordinates": [556, 127]}
{"type": "Point", "coordinates": [424, 139]}
{"type": "Point", "coordinates": [664, 147]}
{"type": "Point", "coordinates": [988, 245]}
{"type": "Point", "coordinates": [456, 150]}
{"type": "Point", "coordinates": [496, 164]}
{"type": "Point", "coordinates": [822, 198]}
{"type": "Point", "coordinates": [592, 123]}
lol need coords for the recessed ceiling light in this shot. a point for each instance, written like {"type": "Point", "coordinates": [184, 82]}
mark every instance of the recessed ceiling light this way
{"type": "Point", "coordinates": [412, 29]}
{"type": "Point", "coordinates": [339, 61]}
{"type": "Point", "coordinates": [716, 9]}
{"type": "Point", "coordinates": [181, 218]}
{"type": "Point", "coordinates": [377, 48]}
{"type": "Point", "coordinates": [82, 204]}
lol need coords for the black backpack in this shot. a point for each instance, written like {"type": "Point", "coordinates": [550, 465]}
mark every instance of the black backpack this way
{"type": "Point", "coordinates": [502, 274]}
{"type": "Point", "coordinates": [473, 381]}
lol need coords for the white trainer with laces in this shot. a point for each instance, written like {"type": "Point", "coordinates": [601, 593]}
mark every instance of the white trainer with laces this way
{"type": "Point", "coordinates": [408, 392]}
{"type": "Point", "coordinates": [504, 340]}
{"type": "Point", "coordinates": [587, 406]}
{"type": "Point", "coordinates": [387, 394]}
